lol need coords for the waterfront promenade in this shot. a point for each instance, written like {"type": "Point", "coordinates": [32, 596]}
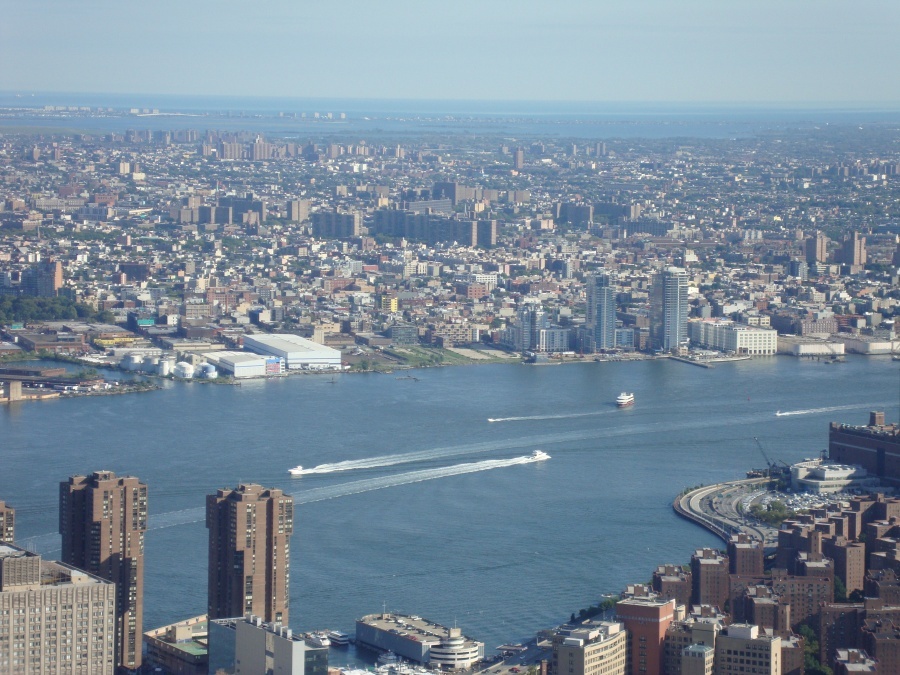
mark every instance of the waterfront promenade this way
{"type": "Point", "coordinates": [715, 507]}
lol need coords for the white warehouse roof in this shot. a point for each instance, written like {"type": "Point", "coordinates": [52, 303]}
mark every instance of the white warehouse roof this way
{"type": "Point", "coordinates": [296, 351]}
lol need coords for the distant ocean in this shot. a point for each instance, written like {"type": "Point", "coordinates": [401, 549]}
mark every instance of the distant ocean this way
{"type": "Point", "coordinates": [404, 118]}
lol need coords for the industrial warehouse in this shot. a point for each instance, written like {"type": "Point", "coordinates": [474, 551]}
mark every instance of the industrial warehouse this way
{"type": "Point", "coordinates": [298, 353]}
{"type": "Point", "coordinates": [244, 364]}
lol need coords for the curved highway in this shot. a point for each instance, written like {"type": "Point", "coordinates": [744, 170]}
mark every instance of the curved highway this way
{"type": "Point", "coordinates": [720, 508]}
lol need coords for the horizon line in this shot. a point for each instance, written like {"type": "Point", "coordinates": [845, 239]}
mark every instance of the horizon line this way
{"type": "Point", "coordinates": [802, 104]}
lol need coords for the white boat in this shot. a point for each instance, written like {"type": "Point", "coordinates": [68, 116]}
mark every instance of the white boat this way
{"type": "Point", "coordinates": [317, 640]}
{"type": "Point", "coordinates": [539, 456]}
{"type": "Point", "coordinates": [625, 399]}
{"type": "Point", "coordinates": [338, 639]}
{"type": "Point", "coordinates": [296, 471]}
{"type": "Point", "coordinates": [387, 659]}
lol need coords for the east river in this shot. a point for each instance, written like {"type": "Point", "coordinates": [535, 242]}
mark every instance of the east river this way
{"type": "Point", "coordinates": [421, 504]}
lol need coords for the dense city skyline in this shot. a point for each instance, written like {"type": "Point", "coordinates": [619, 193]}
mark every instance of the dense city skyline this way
{"type": "Point", "coordinates": [698, 51]}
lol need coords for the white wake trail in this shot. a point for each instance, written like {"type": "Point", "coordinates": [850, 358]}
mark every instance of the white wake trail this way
{"type": "Point", "coordinates": [370, 484]}
{"type": "Point", "coordinates": [526, 418]}
{"type": "Point", "coordinates": [188, 516]}
{"type": "Point", "coordinates": [834, 408]}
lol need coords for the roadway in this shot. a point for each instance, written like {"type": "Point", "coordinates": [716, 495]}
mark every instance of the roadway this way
{"type": "Point", "coordinates": [720, 508]}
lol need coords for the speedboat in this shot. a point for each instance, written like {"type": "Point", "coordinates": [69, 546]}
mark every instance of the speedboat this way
{"type": "Point", "coordinates": [296, 471]}
{"type": "Point", "coordinates": [625, 399]}
{"type": "Point", "coordinates": [539, 456]}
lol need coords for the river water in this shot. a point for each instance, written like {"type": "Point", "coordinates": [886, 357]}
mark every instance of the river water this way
{"type": "Point", "coordinates": [421, 504]}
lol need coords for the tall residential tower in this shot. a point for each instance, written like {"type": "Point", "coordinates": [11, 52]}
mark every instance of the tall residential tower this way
{"type": "Point", "coordinates": [601, 311]}
{"type": "Point", "coordinates": [102, 520]}
{"type": "Point", "coordinates": [250, 531]}
{"type": "Point", "coordinates": [669, 309]}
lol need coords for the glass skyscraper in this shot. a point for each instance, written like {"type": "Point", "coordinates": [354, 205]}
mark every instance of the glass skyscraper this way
{"type": "Point", "coordinates": [601, 311]}
{"type": "Point", "coordinates": [669, 309]}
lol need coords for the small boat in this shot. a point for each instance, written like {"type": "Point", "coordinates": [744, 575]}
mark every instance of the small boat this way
{"type": "Point", "coordinates": [625, 399]}
{"type": "Point", "coordinates": [387, 659]}
{"type": "Point", "coordinates": [317, 640]}
{"type": "Point", "coordinates": [338, 639]}
{"type": "Point", "coordinates": [539, 456]}
{"type": "Point", "coordinates": [296, 471]}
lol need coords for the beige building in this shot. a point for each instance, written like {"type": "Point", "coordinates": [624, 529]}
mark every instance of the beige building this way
{"type": "Point", "coordinates": [250, 531]}
{"type": "Point", "coordinates": [54, 618]}
{"type": "Point", "coordinates": [594, 648]}
{"type": "Point", "coordinates": [744, 648]}
{"type": "Point", "coordinates": [698, 660]}
{"type": "Point", "coordinates": [102, 520]}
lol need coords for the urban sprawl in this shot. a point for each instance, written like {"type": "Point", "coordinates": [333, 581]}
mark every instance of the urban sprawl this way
{"type": "Point", "coordinates": [226, 255]}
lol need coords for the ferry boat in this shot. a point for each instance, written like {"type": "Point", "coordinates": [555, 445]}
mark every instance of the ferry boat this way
{"type": "Point", "coordinates": [338, 639]}
{"type": "Point", "coordinates": [625, 399]}
{"type": "Point", "coordinates": [296, 471]}
{"type": "Point", "coordinates": [539, 456]}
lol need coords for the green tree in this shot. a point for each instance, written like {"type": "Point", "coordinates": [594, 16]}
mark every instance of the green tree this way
{"type": "Point", "coordinates": [840, 591]}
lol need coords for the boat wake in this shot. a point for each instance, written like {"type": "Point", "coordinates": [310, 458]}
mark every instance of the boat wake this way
{"type": "Point", "coordinates": [383, 482]}
{"type": "Point", "coordinates": [441, 453]}
{"type": "Point", "coordinates": [834, 408]}
{"type": "Point", "coordinates": [528, 418]}
{"type": "Point", "coordinates": [196, 515]}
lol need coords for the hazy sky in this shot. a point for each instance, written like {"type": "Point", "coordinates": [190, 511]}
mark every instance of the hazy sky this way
{"type": "Point", "coordinates": [795, 51]}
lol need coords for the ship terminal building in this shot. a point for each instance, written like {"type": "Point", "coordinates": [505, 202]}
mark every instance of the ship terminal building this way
{"type": "Point", "coordinates": [420, 640]}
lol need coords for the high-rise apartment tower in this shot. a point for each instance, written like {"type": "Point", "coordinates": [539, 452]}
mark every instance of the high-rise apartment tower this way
{"type": "Point", "coordinates": [102, 520]}
{"type": "Point", "coordinates": [250, 531]}
{"type": "Point", "coordinates": [669, 309]}
{"type": "Point", "coordinates": [601, 311]}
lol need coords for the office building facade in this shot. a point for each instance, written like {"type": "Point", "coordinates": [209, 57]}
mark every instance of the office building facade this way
{"type": "Point", "coordinates": [744, 648]}
{"type": "Point", "coordinates": [646, 619]}
{"type": "Point", "coordinates": [594, 648]}
{"type": "Point", "coordinates": [249, 552]}
{"type": "Point", "coordinates": [102, 520]}
{"type": "Point", "coordinates": [249, 646]}
{"type": "Point", "coordinates": [54, 618]}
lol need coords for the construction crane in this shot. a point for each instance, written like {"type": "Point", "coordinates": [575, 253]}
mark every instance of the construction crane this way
{"type": "Point", "coordinates": [769, 464]}
{"type": "Point", "coordinates": [773, 467]}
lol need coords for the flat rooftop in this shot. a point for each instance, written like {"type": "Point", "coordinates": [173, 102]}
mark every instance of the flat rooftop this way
{"type": "Point", "coordinates": [6, 551]}
{"type": "Point", "coordinates": [287, 342]}
{"type": "Point", "coordinates": [412, 627]}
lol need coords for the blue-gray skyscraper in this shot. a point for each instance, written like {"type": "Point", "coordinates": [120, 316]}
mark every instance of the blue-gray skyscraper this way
{"type": "Point", "coordinates": [601, 311]}
{"type": "Point", "coordinates": [532, 319]}
{"type": "Point", "coordinates": [669, 309]}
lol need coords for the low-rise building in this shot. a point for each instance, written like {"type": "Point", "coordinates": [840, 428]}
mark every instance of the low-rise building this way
{"type": "Point", "coordinates": [420, 640]}
{"type": "Point", "coordinates": [249, 646]}
{"type": "Point", "coordinates": [593, 648]}
{"type": "Point", "coordinates": [179, 648]}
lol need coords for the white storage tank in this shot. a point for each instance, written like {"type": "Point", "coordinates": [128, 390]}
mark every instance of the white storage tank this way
{"type": "Point", "coordinates": [184, 370]}
{"type": "Point", "coordinates": [208, 371]}
{"type": "Point", "coordinates": [150, 364]}
{"type": "Point", "coordinates": [165, 367]}
{"type": "Point", "coordinates": [132, 361]}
